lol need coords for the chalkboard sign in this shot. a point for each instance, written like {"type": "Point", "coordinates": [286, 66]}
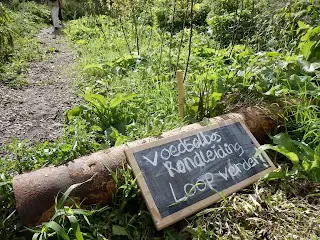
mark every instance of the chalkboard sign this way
{"type": "Point", "coordinates": [183, 174]}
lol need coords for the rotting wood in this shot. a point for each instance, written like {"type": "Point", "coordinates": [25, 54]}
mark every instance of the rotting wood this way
{"type": "Point", "coordinates": [35, 191]}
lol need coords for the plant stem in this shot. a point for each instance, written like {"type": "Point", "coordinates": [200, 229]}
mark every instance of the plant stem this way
{"type": "Point", "coordinates": [125, 36]}
{"type": "Point", "coordinates": [135, 24]}
{"type": "Point", "coordinates": [182, 37]}
{"type": "Point", "coordinates": [171, 34]}
{"type": "Point", "coordinates": [190, 40]}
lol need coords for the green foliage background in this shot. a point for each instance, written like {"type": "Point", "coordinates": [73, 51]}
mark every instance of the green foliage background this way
{"type": "Point", "coordinates": [18, 26]}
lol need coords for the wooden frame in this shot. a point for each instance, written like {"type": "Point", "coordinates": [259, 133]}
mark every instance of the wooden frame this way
{"type": "Point", "coordinates": [160, 222]}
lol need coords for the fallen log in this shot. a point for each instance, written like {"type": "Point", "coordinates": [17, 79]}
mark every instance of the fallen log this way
{"type": "Point", "coordinates": [35, 191]}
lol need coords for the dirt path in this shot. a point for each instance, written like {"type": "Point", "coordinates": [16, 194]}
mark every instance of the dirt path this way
{"type": "Point", "coordinates": [36, 111]}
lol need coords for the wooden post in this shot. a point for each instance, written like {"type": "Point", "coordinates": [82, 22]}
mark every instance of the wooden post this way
{"type": "Point", "coordinates": [180, 93]}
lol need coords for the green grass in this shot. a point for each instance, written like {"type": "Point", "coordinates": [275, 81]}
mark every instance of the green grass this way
{"type": "Point", "coordinates": [24, 22]}
{"type": "Point", "coordinates": [284, 209]}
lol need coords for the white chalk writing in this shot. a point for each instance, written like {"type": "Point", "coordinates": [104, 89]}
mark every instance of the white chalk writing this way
{"type": "Point", "coordinates": [208, 181]}
{"type": "Point", "coordinates": [200, 158]}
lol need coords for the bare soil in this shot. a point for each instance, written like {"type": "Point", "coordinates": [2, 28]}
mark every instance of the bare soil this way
{"type": "Point", "coordinates": [36, 112]}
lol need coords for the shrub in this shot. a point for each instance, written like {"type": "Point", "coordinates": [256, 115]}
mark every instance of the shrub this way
{"type": "Point", "coordinates": [182, 16]}
{"type": "Point", "coordinates": [17, 44]}
{"type": "Point", "coordinates": [34, 12]}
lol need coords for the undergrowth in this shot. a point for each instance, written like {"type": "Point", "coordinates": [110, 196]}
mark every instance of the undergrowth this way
{"type": "Point", "coordinates": [286, 209]}
{"type": "Point", "coordinates": [18, 43]}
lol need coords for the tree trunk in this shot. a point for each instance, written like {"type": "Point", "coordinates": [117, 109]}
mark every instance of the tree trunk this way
{"type": "Point", "coordinates": [35, 191]}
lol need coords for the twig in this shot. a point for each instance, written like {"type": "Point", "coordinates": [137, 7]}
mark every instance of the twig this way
{"type": "Point", "coordinates": [190, 40]}
{"type": "Point", "coordinates": [182, 37]}
{"type": "Point", "coordinates": [171, 34]}
{"type": "Point", "coordinates": [125, 36]}
{"type": "Point", "coordinates": [135, 24]}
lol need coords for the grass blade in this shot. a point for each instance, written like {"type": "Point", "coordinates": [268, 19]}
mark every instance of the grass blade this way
{"type": "Point", "coordinates": [35, 236]}
{"type": "Point", "coordinates": [76, 227]}
{"type": "Point", "coordinates": [69, 190]}
{"type": "Point", "coordinates": [58, 229]}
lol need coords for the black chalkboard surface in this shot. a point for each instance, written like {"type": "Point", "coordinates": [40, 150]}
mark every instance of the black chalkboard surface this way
{"type": "Point", "coordinates": [185, 173]}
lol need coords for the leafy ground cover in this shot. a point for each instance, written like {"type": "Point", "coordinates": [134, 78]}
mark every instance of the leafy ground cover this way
{"type": "Point", "coordinates": [19, 25]}
{"type": "Point", "coordinates": [236, 53]}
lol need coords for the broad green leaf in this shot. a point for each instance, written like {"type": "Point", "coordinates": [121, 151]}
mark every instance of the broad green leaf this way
{"type": "Point", "coordinates": [306, 151]}
{"type": "Point", "coordinates": [119, 231]}
{"type": "Point", "coordinates": [75, 111]}
{"type": "Point", "coordinates": [280, 149]}
{"type": "Point", "coordinates": [298, 82]}
{"type": "Point", "coordinates": [302, 25]}
{"type": "Point", "coordinates": [121, 140]}
{"type": "Point", "coordinates": [315, 164]}
{"type": "Point", "coordinates": [290, 155]}
{"type": "Point", "coordinates": [196, 7]}
{"type": "Point", "coordinates": [93, 66]}
{"type": "Point", "coordinates": [3, 177]}
{"type": "Point", "coordinates": [114, 134]}
{"type": "Point", "coordinates": [316, 30]}
{"type": "Point", "coordinates": [272, 54]}
{"type": "Point", "coordinates": [89, 98]}
{"type": "Point", "coordinates": [216, 96]}
{"type": "Point", "coordinates": [82, 41]}
{"type": "Point", "coordinates": [306, 164]}
{"type": "Point", "coordinates": [58, 229]}
{"type": "Point", "coordinates": [305, 48]}
{"type": "Point", "coordinates": [98, 101]}
{"type": "Point", "coordinates": [115, 102]}
{"type": "Point", "coordinates": [275, 175]}
{"type": "Point", "coordinates": [96, 128]}
{"type": "Point", "coordinates": [285, 140]}
{"type": "Point", "coordinates": [101, 99]}
{"type": "Point", "coordinates": [271, 92]}
{"type": "Point", "coordinates": [66, 147]}
{"type": "Point", "coordinates": [275, 91]}
{"type": "Point", "coordinates": [263, 148]}
{"type": "Point", "coordinates": [210, 21]}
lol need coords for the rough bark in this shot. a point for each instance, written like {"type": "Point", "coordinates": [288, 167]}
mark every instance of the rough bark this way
{"type": "Point", "coordinates": [35, 191]}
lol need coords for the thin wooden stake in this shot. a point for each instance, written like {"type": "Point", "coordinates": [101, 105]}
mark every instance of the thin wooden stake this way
{"type": "Point", "coordinates": [180, 76]}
